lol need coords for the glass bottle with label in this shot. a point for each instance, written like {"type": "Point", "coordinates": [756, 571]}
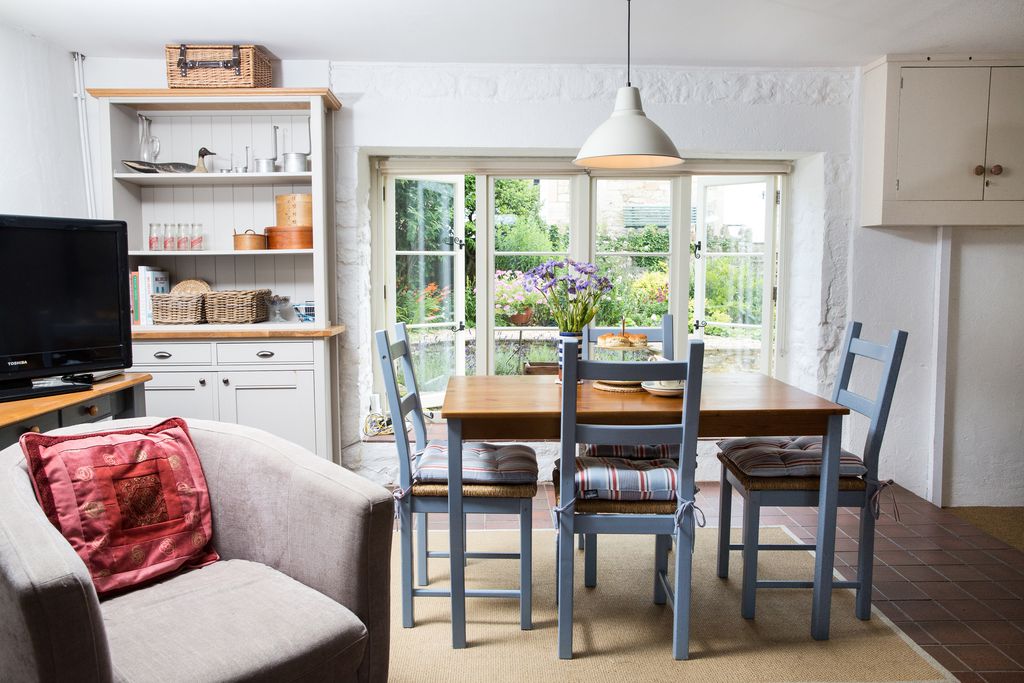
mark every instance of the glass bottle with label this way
{"type": "Point", "coordinates": [184, 236]}
{"type": "Point", "coordinates": [170, 237]}
{"type": "Point", "coordinates": [156, 237]}
{"type": "Point", "coordinates": [198, 243]}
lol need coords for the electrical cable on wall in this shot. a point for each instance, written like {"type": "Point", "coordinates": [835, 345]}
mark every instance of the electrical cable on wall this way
{"type": "Point", "coordinates": [83, 132]}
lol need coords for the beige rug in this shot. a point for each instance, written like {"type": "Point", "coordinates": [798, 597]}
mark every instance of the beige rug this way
{"type": "Point", "coordinates": [1004, 523]}
{"type": "Point", "coordinates": [620, 635]}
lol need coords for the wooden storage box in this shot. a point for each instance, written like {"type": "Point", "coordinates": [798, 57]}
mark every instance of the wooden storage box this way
{"type": "Point", "coordinates": [218, 66]}
{"type": "Point", "coordinates": [249, 240]}
{"type": "Point", "coordinates": [178, 309]}
{"type": "Point", "coordinates": [237, 306]}
{"type": "Point", "coordinates": [290, 237]}
{"type": "Point", "coordinates": [295, 209]}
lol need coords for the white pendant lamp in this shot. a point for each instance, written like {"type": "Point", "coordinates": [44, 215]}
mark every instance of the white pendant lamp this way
{"type": "Point", "coordinates": [628, 140]}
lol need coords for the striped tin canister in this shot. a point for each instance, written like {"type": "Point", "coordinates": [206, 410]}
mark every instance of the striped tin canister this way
{"type": "Point", "coordinates": [562, 336]}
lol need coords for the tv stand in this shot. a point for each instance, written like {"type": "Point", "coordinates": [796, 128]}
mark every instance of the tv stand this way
{"type": "Point", "coordinates": [17, 390]}
{"type": "Point", "coordinates": [119, 397]}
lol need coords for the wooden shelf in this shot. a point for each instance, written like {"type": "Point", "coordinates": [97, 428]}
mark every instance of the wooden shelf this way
{"type": "Point", "coordinates": [222, 252]}
{"type": "Point", "coordinates": [180, 179]}
{"type": "Point", "coordinates": [255, 331]}
{"type": "Point", "coordinates": [140, 95]}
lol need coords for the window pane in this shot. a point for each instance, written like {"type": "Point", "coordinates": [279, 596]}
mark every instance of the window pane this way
{"type": "Point", "coordinates": [734, 289]}
{"type": "Point", "coordinates": [633, 215]}
{"type": "Point", "coordinates": [514, 306]}
{"type": "Point", "coordinates": [532, 214]}
{"type": "Point", "coordinates": [734, 215]}
{"type": "Point", "coordinates": [433, 356]}
{"type": "Point", "coordinates": [639, 290]}
{"type": "Point", "coordinates": [513, 348]}
{"type": "Point", "coordinates": [732, 349]}
{"type": "Point", "coordinates": [424, 215]}
{"type": "Point", "coordinates": [424, 285]}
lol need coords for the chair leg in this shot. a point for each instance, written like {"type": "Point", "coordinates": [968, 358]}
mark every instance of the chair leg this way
{"type": "Point", "coordinates": [526, 564]}
{"type": "Point", "coordinates": [405, 526]}
{"type": "Point", "coordinates": [423, 530]}
{"type": "Point", "coordinates": [662, 543]}
{"type": "Point", "coordinates": [751, 519]}
{"type": "Point", "coordinates": [565, 584]}
{"type": "Point", "coordinates": [465, 539]}
{"type": "Point", "coordinates": [590, 560]}
{"type": "Point", "coordinates": [681, 601]}
{"type": "Point", "coordinates": [865, 558]}
{"type": "Point", "coordinates": [724, 526]}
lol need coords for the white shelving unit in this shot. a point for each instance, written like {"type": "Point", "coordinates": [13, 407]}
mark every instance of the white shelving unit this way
{"type": "Point", "coordinates": [296, 366]}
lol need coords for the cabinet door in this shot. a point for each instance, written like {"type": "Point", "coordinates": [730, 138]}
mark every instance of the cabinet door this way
{"type": "Point", "coordinates": [182, 394]}
{"type": "Point", "coordinates": [942, 122]}
{"type": "Point", "coordinates": [279, 401]}
{"type": "Point", "coordinates": [1006, 134]}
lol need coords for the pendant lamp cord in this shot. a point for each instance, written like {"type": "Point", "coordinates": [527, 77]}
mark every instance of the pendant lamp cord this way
{"type": "Point", "coordinates": [628, 35]}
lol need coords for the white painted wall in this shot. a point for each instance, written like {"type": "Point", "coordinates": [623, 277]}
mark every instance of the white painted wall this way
{"type": "Point", "coordinates": [38, 129]}
{"type": "Point", "coordinates": [984, 458]}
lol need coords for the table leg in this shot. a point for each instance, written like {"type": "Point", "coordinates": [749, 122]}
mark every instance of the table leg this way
{"type": "Point", "coordinates": [456, 527]}
{"type": "Point", "coordinates": [824, 555]}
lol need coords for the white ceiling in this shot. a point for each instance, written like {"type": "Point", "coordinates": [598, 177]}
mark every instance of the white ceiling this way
{"type": "Point", "coordinates": [682, 32]}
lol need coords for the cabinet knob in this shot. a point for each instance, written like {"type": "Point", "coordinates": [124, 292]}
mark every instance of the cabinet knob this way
{"type": "Point", "coordinates": [996, 169]}
{"type": "Point", "coordinates": [202, 382]}
{"type": "Point", "coordinates": [264, 354]}
{"type": "Point", "coordinates": [162, 355]}
{"type": "Point", "coordinates": [92, 410]}
{"type": "Point", "coordinates": [225, 381]}
{"type": "Point", "coordinates": [34, 429]}
{"type": "Point", "coordinates": [979, 170]}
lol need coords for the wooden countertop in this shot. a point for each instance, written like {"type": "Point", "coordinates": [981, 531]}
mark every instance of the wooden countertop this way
{"type": "Point", "coordinates": [227, 332]}
{"type": "Point", "coordinates": [737, 404]}
{"type": "Point", "coordinates": [13, 412]}
{"type": "Point", "coordinates": [330, 99]}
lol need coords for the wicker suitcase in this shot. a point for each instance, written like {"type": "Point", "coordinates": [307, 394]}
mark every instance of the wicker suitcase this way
{"type": "Point", "coordinates": [218, 66]}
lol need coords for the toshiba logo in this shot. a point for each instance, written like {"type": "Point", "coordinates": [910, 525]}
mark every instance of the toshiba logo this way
{"type": "Point", "coordinates": [17, 362]}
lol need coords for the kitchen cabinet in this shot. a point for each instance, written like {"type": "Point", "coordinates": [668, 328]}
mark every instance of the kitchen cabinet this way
{"type": "Point", "coordinates": [943, 143]}
{"type": "Point", "coordinates": [182, 394]}
{"type": "Point", "coordinates": [279, 401]}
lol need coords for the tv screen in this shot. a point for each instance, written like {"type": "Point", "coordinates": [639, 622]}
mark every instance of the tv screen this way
{"type": "Point", "coordinates": [67, 307]}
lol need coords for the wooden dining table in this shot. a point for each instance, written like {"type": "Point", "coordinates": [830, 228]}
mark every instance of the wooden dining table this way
{"type": "Point", "coordinates": [512, 407]}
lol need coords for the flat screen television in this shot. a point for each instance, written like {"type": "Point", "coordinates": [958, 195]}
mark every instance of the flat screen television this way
{"type": "Point", "coordinates": [66, 310]}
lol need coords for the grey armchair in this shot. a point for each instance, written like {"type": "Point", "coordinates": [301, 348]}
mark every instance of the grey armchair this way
{"type": "Point", "coordinates": [302, 593]}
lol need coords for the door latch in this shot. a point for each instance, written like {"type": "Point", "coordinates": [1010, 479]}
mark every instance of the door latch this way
{"type": "Point", "coordinates": [696, 249]}
{"type": "Point", "coordinates": [453, 240]}
{"type": "Point", "coordinates": [699, 324]}
{"type": "Point", "coordinates": [461, 327]}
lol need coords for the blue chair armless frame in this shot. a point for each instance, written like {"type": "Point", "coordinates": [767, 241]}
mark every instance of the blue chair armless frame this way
{"type": "Point", "coordinates": [681, 525]}
{"type": "Point", "coordinates": [877, 410]}
{"type": "Point", "coordinates": [408, 504]}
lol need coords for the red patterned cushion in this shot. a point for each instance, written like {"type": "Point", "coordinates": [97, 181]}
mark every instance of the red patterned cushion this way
{"type": "Point", "coordinates": [132, 503]}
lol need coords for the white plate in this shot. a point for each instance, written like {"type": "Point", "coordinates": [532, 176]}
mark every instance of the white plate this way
{"type": "Point", "coordinates": [656, 389]}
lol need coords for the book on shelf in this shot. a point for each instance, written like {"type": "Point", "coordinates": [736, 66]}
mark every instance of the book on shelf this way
{"type": "Point", "coordinates": [151, 281]}
{"type": "Point", "coordinates": [134, 296]}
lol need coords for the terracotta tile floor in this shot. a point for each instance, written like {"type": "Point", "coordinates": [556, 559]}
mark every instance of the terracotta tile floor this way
{"type": "Point", "coordinates": [953, 589]}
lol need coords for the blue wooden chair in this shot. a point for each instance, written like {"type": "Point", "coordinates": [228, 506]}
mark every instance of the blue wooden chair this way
{"type": "Point", "coordinates": [784, 472]}
{"type": "Point", "coordinates": [665, 513]}
{"type": "Point", "coordinates": [665, 335]}
{"type": "Point", "coordinates": [495, 480]}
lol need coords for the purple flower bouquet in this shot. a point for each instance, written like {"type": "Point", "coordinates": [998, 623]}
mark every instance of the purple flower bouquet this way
{"type": "Point", "coordinates": [571, 289]}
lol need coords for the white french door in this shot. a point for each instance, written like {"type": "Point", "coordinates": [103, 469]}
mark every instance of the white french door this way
{"type": "Point", "coordinates": [425, 285]}
{"type": "Point", "coordinates": [733, 235]}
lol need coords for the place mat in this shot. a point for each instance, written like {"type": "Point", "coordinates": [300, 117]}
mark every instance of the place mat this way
{"type": "Point", "coordinates": [618, 388]}
{"type": "Point", "coordinates": [621, 635]}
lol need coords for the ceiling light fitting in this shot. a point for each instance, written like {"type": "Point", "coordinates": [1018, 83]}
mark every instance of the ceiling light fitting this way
{"type": "Point", "coordinates": [628, 139]}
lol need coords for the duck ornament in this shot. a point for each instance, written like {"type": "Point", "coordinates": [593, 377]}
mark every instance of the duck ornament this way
{"type": "Point", "coordinates": [173, 166]}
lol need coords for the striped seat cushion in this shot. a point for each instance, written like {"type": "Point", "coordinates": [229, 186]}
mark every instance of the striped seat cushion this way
{"type": "Point", "coordinates": [784, 456]}
{"type": "Point", "coordinates": [652, 452]}
{"type": "Point", "coordinates": [625, 478]}
{"type": "Point", "coordinates": [482, 463]}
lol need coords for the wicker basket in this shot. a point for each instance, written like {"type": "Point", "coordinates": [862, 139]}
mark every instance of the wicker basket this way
{"type": "Point", "coordinates": [218, 66]}
{"type": "Point", "coordinates": [178, 309]}
{"type": "Point", "coordinates": [238, 306]}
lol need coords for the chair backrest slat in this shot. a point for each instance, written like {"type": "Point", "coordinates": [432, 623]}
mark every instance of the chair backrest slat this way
{"type": "Point", "coordinates": [627, 371]}
{"type": "Point", "coordinates": [877, 410]}
{"type": "Point", "coordinates": [629, 435]}
{"type": "Point", "coordinates": [864, 406]}
{"type": "Point", "coordinates": [664, 335]}
{"type": "Point", "coordinates": [399, 407]}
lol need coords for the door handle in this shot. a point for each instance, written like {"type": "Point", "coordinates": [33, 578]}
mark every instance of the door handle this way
{"type": "Point", "coordinates": [979, 170]}
{"type": "Point", "coordinates": [996, 169]}
{"type": "Point", "coordinates": [202, 382]}
{"type": "Point", "coordinates": [225, 381]}
{"type": "Point", "coordinates": [162, 355]}
{"type": "Point", "coordinates": [264, 354]}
